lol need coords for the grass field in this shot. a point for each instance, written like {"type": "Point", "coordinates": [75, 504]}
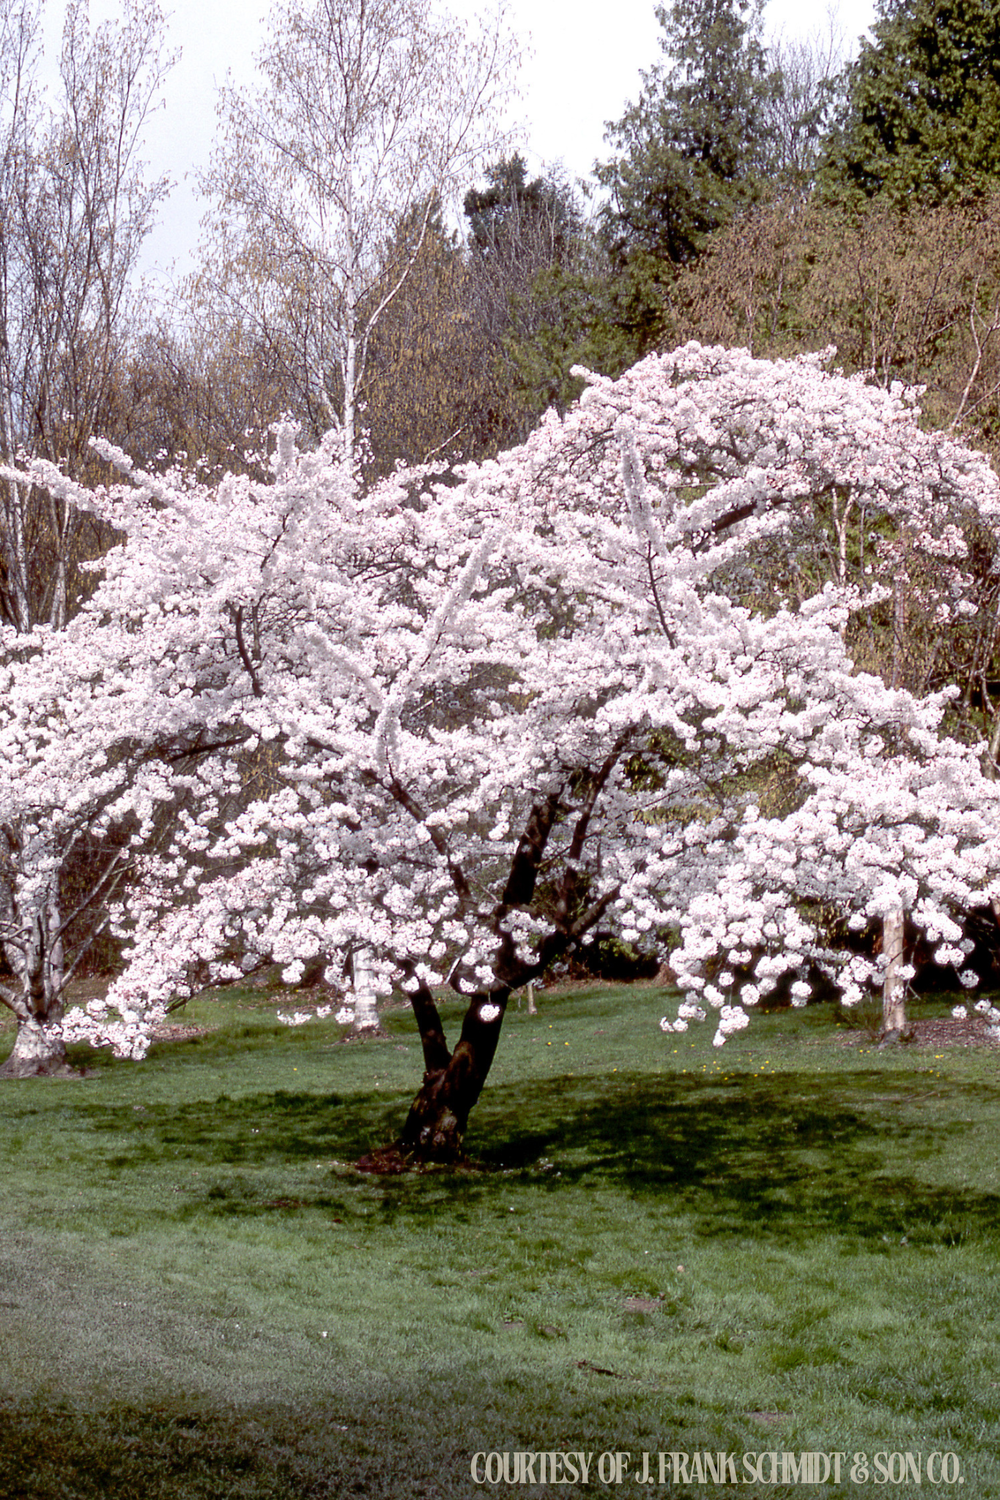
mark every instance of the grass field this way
{"type": "Point", "coordinates": [787, 1246]}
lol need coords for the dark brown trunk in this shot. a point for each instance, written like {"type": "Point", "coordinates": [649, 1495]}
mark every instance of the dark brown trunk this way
{"type": "Point", "coordinates": [436, 1125]}
{"type": "Point", "coordinates": [453, 1081]}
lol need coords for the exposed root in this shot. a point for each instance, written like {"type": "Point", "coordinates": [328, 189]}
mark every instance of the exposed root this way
{"type": "Point", "coordinates": [387, 1161]}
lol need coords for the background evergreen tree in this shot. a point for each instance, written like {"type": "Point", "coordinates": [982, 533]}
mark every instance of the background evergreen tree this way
{"type": "Point", "coordinates": [514, 221]}
{"type": "Point", "coordinates": [525, 235]}
{"type": "Point", "coordinates": [696, 147]}
{"type": "Point", "coordinates": [920, 119]}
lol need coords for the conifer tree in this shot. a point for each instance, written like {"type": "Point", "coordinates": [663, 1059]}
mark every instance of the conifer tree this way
{"type": "Point", "coordinates": [920, 120]}
{"type": "Point", "coordinates": [695, 147]}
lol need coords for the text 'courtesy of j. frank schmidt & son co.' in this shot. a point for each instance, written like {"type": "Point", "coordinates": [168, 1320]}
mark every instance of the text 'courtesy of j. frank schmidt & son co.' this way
{"type": "Point", "coordinates": [763, 1469]}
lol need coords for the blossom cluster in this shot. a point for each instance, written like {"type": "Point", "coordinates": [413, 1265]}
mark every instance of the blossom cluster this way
{"type": "Point", "coordinates": [332, 721]}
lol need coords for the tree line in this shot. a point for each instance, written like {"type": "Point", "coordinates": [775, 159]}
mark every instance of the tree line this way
{"type": "Point", "coordinates": [757, 191]}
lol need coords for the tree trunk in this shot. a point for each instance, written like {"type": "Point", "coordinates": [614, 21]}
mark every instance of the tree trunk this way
{"type": "Point", "coordinates": [893, 986]}
{"type": "Point", "coordinates": [15, 596]}
{"type": "Point", "coordinates": [435, 1128]}
{"type": "Point", "coordinates": [366, 1021]}
{"type": "Point", "coordinates": [453, 1081]}
{"type": "Point", "coordinates": [39, 1051]}
{"type": "Point", "coordinates": [37, 963]}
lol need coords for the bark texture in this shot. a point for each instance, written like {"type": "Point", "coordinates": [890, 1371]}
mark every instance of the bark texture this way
{"type": "Point", "coordinates": [366, 1017]}
{"type": "Point", "coordinates": [453, 1081]}
{"type": "Point", "coordinates": [894, 987]}
{"type": "Point", "coordinates": [38, 1052]}
{"type": "Point", "coordinates": [35, 960]}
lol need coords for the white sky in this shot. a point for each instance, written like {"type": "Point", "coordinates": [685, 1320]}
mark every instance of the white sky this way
{"type": "Point", "coordinates": [584, 64]}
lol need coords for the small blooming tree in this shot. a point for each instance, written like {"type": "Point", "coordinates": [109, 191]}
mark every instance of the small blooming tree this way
{"type": "Point", "coordinates": [76, 802]}
{"type": "Point", "coordinates": [95, 761]}
{"type": "Point", "coordinates": [503, 713]}
{"type": "Point", "coordinates": [892, 821]}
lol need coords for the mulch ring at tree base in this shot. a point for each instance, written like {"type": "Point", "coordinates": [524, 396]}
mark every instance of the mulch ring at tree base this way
{"type": "Point", "coordinates": [944, 1031]}
{"type": "Point", "coordinates": [391, 1161]}
{"type": "Point", "coordinates": [387, 1161]}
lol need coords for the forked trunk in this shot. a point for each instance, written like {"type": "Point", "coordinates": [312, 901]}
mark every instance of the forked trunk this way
{"type": "Point", "coordinates": [36, 999]}
{"type": "Point", "coordinates": [453, 1081]}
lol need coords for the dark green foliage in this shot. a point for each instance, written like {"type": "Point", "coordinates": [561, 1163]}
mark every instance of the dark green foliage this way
{"type": "Point", "coordinates": [514, 221]}
{"type": "Point", "coordinates": [546, 295]}
{"type": "Point", "coordinates": [525, 236]}
{"type": "Point", "coordinates": [592, 315]}
{"type": "Point", "coordinates": [695, 148]}
{"type": "Point", "coordinates": [921, 117]}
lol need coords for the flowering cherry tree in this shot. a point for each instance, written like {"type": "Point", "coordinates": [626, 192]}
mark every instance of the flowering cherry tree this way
{"type": "Point", "coordinates": [73, 811]}
{"type": "Point", "coordinates": [500, 714]}
{"type": "Point", "coordinates": [92, 762]}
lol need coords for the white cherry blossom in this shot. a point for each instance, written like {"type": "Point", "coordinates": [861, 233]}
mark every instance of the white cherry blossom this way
{"type": "Point", "coordinates": [460, 723]}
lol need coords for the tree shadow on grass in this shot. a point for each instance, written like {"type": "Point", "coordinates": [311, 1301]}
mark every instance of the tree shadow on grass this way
{"type": "Point", "coordinates": [785, 1156]}
{"type": "Point", "coordinates": [252, 1129]}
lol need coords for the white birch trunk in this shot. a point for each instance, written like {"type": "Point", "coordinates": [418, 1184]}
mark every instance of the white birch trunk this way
{"type": "Point", "coordinates": [38, 1050]}
{"type": "Point", "coordinates": [366, 1018]}
{"type": "Point", "coordinates": [37, 961]}
{"type": "Point", "coordinates": [350, 409]}
{"type": "Point", "coordinates": [893, 986]}
{"type": "Point", "coordinates": [350, 353]}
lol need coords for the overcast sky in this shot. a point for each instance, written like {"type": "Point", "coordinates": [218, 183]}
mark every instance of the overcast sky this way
{"type": "Point", "coordinates": [583, 63]}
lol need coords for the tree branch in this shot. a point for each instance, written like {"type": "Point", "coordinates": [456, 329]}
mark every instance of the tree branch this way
{"type": "Point", "coordinates": [429, 1025]}
{"type": "Point", "coordinates": [656, 597]}
{"type": "Point", "coordinates": [520, 888]}
{"type": "Point", "coordinates": [412, 806]}
{"type": "Point", "coordinates": [251, 670]}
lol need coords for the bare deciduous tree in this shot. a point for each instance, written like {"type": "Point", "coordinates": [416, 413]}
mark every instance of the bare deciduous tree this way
{"type": "Point", "coordinates": [367, 108]}
{"type": "Point", "coordinates": [797, 110]}
{"type": "Point", "coordinates": [76, 207]}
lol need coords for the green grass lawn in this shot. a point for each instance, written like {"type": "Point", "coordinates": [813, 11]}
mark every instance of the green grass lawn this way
{"type": "Point", "coordinates": [786, 1246]}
